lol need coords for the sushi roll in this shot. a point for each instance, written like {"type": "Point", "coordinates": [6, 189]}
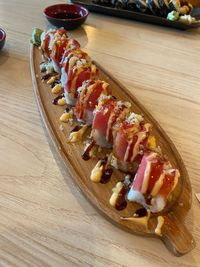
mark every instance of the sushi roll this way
{"type": "Point", "coordinates": [164, 4]}
{"type": "Point", "coordinates": [89, 94]}
{"type": "Point", "coordinates": [112, 2]}
{"type": "Point", "coordinates": [76, 68]}
{"type": "Point", "coordinates": [154, 183]}
{"type": "Point", "coordinates": [61, 46]}
{"type": "Point", "coordinates": [108, 112]}
{"type": "Point", "coordinates": [131, 140]}
{"type": "Point", "coordinates": [48, 38]}
{"type": "Point", "coordinates": [72, 46]}
{"type": "Point", "coordinates": [120, 4]}
{"type": "Point", "coordinates": [69, 59]}
{"type": "Point", "coordinates": [174, 5]}
{"type": "Point", "coordinates": [80, 72]}
{"type": "Point", "coordinates": [131, 5]}
{"type": "Point", "coordinates": [154, 7]}
{"type": "Point", "coordinates": [142, 6]}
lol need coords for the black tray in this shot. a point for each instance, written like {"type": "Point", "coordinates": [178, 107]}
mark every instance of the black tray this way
{"type": "Point", "coordinates": [134, 15]}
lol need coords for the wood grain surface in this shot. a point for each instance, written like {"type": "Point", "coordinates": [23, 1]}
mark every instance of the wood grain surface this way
{"type": "Point", "coordinates": [45, 220]}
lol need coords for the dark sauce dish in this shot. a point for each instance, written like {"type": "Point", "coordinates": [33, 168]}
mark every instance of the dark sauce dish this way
{"type": "Point", "coordinates": [69, 16]}
{"type": "Point", "coordinates": [2, 38]}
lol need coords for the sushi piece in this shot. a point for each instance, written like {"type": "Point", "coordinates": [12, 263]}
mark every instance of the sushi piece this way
{"type": "Point", "coordinates": [174, 5]}
{"type": "Point", "coordinates": [164, 4]}
{"type": "Point", "coordinates": [142, 6]}
{"type": "Point", "coordinates": [61, 45]}
{"type": "Point", "coordinates": [89, 94]}
{"type": "Point", "coordinates": [121, 4]}
{"type": "Point", "coordinates": [154, 182]}
{"type": "Point", "coordinates": [69, 59]}
{"type": "Point", "coordinates": [108, 112]}
{"type": "Point", "coordinates": [48, 38]}
{"type": "Point", "coordinates": [112, 2]}
{"type": "Point", "coordinates": [76, 76]}
{"type": "Point", "coordinates": [72, 50]}
{"type": "Point", "coordinates": [132, 139]}
{"type": "Point", "coordinates": [131, 5]}
{"type": "Point", "coordinates": [154, 7]}
{"type": "Point", "coordinates": [76, 68]}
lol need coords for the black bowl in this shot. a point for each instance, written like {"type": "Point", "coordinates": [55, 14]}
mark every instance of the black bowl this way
{"type": "Point", "coordinates": [69, 16]}
{"type": "Point", "coordinates": [2, 38]}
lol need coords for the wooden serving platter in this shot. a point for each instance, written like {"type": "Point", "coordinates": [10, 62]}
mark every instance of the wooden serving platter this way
{"type": "Point", "coordinates": [174, 234]}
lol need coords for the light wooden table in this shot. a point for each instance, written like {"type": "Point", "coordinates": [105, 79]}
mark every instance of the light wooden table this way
{"type": "Point", "coordinates": [44, 219]}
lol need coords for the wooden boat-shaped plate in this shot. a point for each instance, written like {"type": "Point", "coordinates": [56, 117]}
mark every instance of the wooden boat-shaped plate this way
{"type": "Point", "coordinates": [174, 234]}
